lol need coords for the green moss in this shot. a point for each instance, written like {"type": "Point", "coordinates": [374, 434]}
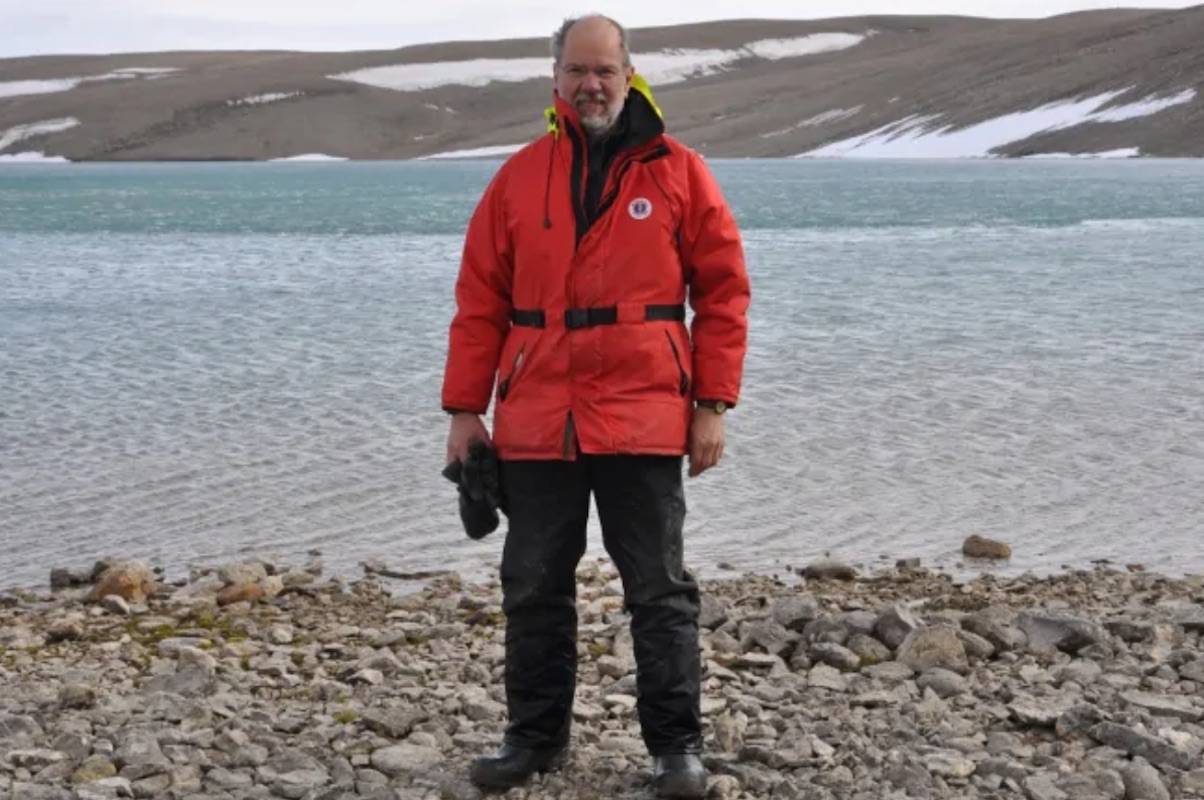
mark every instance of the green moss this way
{"type": "Point", "coordinates": [346, 716]}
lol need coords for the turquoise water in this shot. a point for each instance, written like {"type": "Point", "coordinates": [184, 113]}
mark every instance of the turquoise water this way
{"type": "Point", "coordinates": [202, 362]}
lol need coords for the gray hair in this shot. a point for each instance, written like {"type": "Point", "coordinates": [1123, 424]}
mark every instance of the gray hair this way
{"type": "Point", "coordinates": [563, 31]}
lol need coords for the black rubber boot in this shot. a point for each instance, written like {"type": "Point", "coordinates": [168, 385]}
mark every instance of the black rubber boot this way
{"type": "Point", "coordinates": [511, 766]}
{"type": "Point", "coordinates": [679, 776]}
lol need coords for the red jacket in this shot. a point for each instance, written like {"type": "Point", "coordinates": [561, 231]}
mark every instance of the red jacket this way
{"type": "Point", "coordinates": [610, 375]}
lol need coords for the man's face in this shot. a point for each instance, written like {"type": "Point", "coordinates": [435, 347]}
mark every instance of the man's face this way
{"type": "Point", "coordinates": [591, 75]}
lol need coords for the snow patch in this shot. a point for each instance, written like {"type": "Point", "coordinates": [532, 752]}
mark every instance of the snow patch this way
{"type": "Point", "coordinates": [834, 115]}
{"type": "Point", "coordinates": [261, 99]}
{"type": "Point", "coordinates": [1143, 108]}
{"type": "Point", "coordinates": [1124, 152]}
{"type": "Point", "coordinates": [479, 152]}
{"type": "Point", "coordinates": [311, 157]}
{"type": "Point", "coordinates": [776, 49]}
{"type": "Point", "coordinates": [32, 157]}
{"type": "Point", "coordinates": [17, 88]}
{"type": "Point", "coordinates": [659, 67]}
{"type": "Point", "coordinates": [148, 71]}
{"type": "Point", "coordinates": [916, 137]}
{"type": "Point", "coordinates": [15, 134]}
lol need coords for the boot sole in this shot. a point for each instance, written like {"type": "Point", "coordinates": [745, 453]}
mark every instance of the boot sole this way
{"type": "Point", "coordinates": [682, 788]}
{"type": "Point", "coordinates": [487, 778]}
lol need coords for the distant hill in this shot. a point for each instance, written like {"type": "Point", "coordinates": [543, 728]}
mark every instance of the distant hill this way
{"type": "Point", "coordinates": [1115, 82]}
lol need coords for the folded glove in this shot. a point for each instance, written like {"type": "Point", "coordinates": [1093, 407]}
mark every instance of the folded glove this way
{"type": "Point", "coordinates": [480, 489]}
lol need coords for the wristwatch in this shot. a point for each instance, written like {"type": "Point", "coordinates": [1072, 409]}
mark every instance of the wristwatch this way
{"type": "Point", "coordinates": [718, 406]}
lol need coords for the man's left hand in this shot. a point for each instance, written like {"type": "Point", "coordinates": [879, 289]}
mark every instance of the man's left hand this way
{"type": "Point", "coordinates": [706, 440]}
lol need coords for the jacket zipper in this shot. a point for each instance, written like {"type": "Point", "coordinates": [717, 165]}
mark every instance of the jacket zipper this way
{"type": "Point", "coordinates": [504, 387]}
{"type": "Point", "coordinates": [683, 385]}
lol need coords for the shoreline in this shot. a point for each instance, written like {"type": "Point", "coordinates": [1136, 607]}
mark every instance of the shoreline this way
{"type": "Point", "coordinates": [263, 680]}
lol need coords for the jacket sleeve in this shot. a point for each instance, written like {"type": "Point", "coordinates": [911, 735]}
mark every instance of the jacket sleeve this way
{"type": "Point", "coordinates": [483, 304]}
{"type": "Point", "coordinates": [713, 257]}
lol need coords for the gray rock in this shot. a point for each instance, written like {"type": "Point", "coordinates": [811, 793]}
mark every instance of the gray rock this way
{"type": "Point", "coordinates": [913, 779]}
{"type": "Point", "coordinates": [1077, 719]}
{"type": "Point", "coordinates": [948, 764]}
{"type": "Point", "coordinates": [826, 628]}
{"type": "Point", "coordinates": [64, 578]}
{"type": "Point", "coordinates": [611, 667]}
{"type": "Point", "coordinates": [770, 637]}
{"type": "Point", "coordinates": [1193, 782]}
{"type": "Point", "coordinates": [140, 748]}
{"type": "Point", "coordinates": [1193, 671]}
{"type": "Point", "coordinates": [995, 625]}
{"type": "Point", "coordinates": [35, 759]}
{"type": "Point", "coordinates": [977, 647]}
{"type": "Point", "coordinates": [889, 672]}
{"type": "Point", "coordinates": [191, 682]}
{"type": "Point", "coordinates": [1094, 785]}
{"type": "Point", "coordinates": [1003, 767]}
{"type": "Point", "coordinates": [1191, 618]}
{"type": "Point", "coordinates": [826, 677]}
{"type": "Point", "coordinates": [895, 624]}
{"type": "Point", "coordinates": [1042, 787]}
{"type": "Point", "coordinates": [713, 611]}
{"type": "Point", "coordinates": [34, 791]}
{"type": "Point", "coordinates": [868, 649]}
{"type": "Point", "coordinates": [1064, 632]}
{"type": "Point", "coordinates": [723, 787]}
{"type": "Point", "coordinates": [15, 729]}
{"type": "Point", "coordinates": [115, 604]}
{"type": "Point", "coordinates": [1183, 708]}
{"type": "Point", "coordinates": [944, 682]}
{"type": "Point", "coordinates": [935, 646]}
{"type": "Point", "coordinates": [77, 696]}
{"type": "Point", "coordinates": [1142, 782]}
{"type": "Point", "coordinates": [1041, 712]}
{"type": "Point", "coordinates": [835, 656]}
{"type": "Point", "coordinates": [404, 759]}
{"type": "Point", "coordinates": [829, 569]}
{"type": "Point", "coordinates": [795, 611]}
{"type": "Point", "coordinates": [1129, 630]}
{"type": "Point", "coordinates": [371, 677]}
{"type": "Point", "coordinates": [236, 574]}
{"type": "Point", "coordinates": [1084, 672]}
{"type": "Point", "coordinates": [1148, 747]}
{"type": "Point", "coordinates": [228, 779]}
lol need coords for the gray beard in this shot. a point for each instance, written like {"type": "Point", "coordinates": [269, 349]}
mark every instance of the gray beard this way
{"type": "Point", "coordinates": [597, 128]}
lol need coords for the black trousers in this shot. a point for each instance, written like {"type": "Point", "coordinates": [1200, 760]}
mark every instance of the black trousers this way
{"type": "Point", "coordinates": [641, 505]}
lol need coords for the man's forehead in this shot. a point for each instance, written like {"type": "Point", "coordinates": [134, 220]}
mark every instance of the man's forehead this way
{"type": "Point", "coordinates": [593, 40]}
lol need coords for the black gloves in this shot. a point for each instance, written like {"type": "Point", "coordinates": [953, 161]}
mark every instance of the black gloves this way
{"type": "Point", "coordinates": [480, 489]}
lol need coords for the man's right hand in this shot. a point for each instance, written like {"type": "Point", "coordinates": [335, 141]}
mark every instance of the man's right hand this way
{"type": "Point", "coordinates": [465, 427]}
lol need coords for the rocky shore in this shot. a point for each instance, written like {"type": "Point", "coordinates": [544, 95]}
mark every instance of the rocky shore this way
{"type": "Point", "coordinates": [262, 681]}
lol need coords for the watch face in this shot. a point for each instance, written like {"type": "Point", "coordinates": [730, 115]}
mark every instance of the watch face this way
{"type": "Point", "coordinates": [720, 407]}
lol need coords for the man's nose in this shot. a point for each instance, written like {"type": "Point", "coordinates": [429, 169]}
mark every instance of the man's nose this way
{"type": "Point", "coordinates": [592, 82]}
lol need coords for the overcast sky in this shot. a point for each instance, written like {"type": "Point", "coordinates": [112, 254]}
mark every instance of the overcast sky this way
{"type": "Point", "coordinates": [33, 27]}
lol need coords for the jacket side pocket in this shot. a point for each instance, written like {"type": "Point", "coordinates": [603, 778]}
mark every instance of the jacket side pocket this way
{"type": "Point", "coordinates": [683, 386]}
{"type": "Point", "coordinates": [507, 383]}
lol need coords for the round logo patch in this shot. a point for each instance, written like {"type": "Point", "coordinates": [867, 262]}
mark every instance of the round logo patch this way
{"type": "Point", "coordinates": [640, 208]}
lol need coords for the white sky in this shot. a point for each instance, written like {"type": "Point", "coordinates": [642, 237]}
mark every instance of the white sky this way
{"type": "Point", "coordinates": [108, 26]}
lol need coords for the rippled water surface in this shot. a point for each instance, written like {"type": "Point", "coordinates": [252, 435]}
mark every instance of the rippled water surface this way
{"type": "Point", "coordinates": [205, 362]}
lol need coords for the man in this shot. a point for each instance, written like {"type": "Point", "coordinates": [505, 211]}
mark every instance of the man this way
{"type": "Point", "coordinates": [576, 266]}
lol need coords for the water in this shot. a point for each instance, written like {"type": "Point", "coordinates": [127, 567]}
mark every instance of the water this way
{"type": "Point", "coordinates": [206, 362]}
